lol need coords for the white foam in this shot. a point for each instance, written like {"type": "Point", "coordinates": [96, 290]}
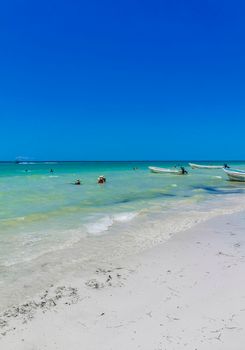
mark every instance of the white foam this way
{"type": "Point", "coordinates": [124, 217]}
{"type": "Point", "coordinates": [102, 225]}
{"type": "Point", "coordinates": [18, 218]}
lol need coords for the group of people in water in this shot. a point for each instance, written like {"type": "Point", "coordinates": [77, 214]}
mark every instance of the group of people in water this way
{"type": "Point", "coordinates": [101, 180]}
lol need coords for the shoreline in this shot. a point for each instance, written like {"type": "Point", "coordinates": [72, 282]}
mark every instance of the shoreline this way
{"type": "Point", "coordinates": [187, 292]}
{"type": "Point", "coordinates": [81, 254]}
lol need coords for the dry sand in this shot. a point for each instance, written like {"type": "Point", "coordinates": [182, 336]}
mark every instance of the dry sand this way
{"type": "Point", "coordinates": [187, 293]}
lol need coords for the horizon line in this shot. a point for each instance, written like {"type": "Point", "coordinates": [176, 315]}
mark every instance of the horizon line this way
{"type": "Point", "coordinates": [125, 161]}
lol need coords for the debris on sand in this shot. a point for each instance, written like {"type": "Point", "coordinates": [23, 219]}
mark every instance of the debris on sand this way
{"type": "Point", "coordinates": [94, 284]}
{"type": "Point", "coordinates": [46, 301]}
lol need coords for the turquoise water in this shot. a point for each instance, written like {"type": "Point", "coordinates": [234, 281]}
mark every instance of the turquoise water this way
{"type": "Point", "coordinates": [44, 217]}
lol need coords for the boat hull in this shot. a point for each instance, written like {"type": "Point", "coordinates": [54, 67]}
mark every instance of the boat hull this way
{"type": "Point", "coordinates": [235, 175]}
{"type": "Point", "coordinates": [198, 166]}
{"type": "Point", "coordinates": [164, 171]}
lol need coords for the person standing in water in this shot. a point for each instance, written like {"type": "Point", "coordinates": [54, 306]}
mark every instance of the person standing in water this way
{"type": "Point", "coordinates": [183, 171]}
{"type": "Point", "coordinates": [101, 179]}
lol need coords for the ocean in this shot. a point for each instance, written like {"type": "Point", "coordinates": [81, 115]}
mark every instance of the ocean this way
{"type": "Point", "coordinates": [50, 228]}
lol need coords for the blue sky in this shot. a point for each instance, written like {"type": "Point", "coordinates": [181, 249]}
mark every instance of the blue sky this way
{"type": "Point", "coordinates": [118, 80]}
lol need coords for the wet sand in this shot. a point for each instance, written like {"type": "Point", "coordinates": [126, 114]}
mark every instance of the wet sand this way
{"type": "Point", "coordinates": [187, 293]}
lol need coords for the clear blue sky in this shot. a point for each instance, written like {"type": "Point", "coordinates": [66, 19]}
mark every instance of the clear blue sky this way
{"type": "Point", "coordinates": [122, 79]}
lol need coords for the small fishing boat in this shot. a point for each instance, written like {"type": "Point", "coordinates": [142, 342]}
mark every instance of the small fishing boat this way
{"type": "Point", "coordinates": [167, 171]}
{"type": "Point", "coordinates": [235, 174]}
{"type": "Point", "coordinates": [199, 166]}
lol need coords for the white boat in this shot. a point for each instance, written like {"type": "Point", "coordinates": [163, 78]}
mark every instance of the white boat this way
{"type": "Point", "coordinates": [165, 170]}
{"type": "Point", "coordinates": [235, 174]}
{"type": "Point", "coordinates": [199, 166]}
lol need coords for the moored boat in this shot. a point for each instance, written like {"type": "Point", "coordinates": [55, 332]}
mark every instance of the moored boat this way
{"type": "Point", "coordinates": [235, 174]}
{"type": "Point", "coordinates": [158, 170]}
{"type": "Point", "coordinates": [200, 166]}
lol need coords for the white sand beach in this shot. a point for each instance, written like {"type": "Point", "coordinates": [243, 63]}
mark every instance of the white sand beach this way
{"type": "Point", "coordinates": [187, 293]}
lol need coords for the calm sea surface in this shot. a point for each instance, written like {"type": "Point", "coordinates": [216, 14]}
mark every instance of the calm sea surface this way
{"type": "Point", "coordinates": [49, 226]}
